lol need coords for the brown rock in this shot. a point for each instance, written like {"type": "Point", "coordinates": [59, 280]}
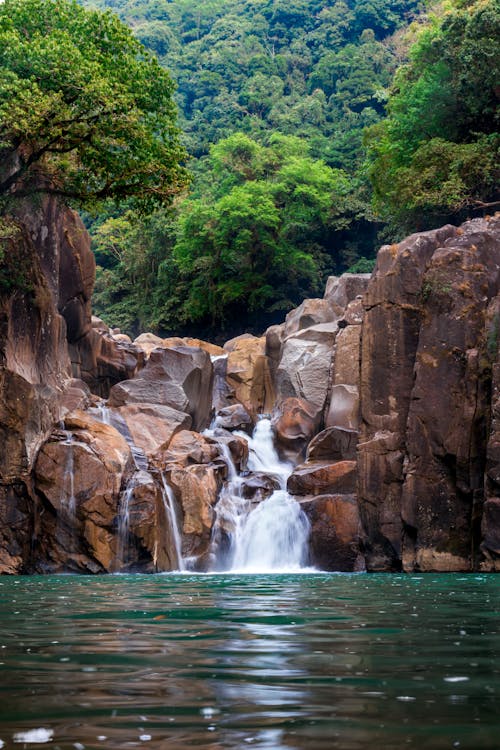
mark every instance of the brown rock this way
{"type": "Point", "coordinates": [294, 421]}
{"type": "Point", "coordinates": [347, 354]}
{"type": "Point", "coordinates": [343, 410]}
{"type": "Point", "coordinates": [234, 417]}
{"type": "Point", "coordinates": [187, 448]}
{"type": "Point", "coordinates": [152, 426]}
{"type": "Point", "coordinates": [196, 488]}
{"type": "Point", "coordinates": [333, 444]}
{"type": "Point", "coordinates": [248, 374]}
{"type": "Point", "coordinates": [181, 378]}
{"type": "Point", "coordinates": [258, 486]}
{"type": "Point", "coordinates": [80, 478]}
{"type": "Point", "coordinates": [320, 478]}
{"type": "Point", "coordinates": [334, 538]}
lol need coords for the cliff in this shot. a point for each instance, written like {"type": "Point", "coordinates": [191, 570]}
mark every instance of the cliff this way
{"type": "Point", "coordinates": [385, 394]}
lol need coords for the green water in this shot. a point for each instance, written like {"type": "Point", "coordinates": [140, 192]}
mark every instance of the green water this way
{"type": "Point", "coordinates": [227, 661]}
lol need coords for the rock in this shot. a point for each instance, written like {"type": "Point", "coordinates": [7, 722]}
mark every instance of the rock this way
{"type": "Point", "coordinates": [148, 342]}
{"type": "Point", "coordinates": [340, 290]}
{"type": "Point", "coordinates": [294, 422]}
{"type": "Point", "coordinates": [320, 478]}
{"type": "Point", "coordinates": [222, 394]}
{"type": "Point", "coordinates": [212, 349]}
{"type": "Point", "coordinates": [80, 479]}
{"type": "Point", "coordinates": [347, 355]}
{"type": "Point", "coordinates": [308, 314]}
{"type": "Point", "coordinates": [187, 448]}
{"type": "Point", "coordinates": [334, 538]}
{"type": "Point", "coordinates": [152, 426]}
{"type": "Point", "coordinates": [274, 341]}
{"type": "Point", "coordinates": [181, 378]}
{"type": "Point", "coordinates": [235, 446]}
{"type": "Point", "coordinates": [344, 407]}
{"type": "Point", "coordinates": [248, 374]}
{"type": "Point", "coordinates": [99, 325]}
{"type": "Point", "coordinates": [425, 398]}
{"type": "Point", "coordinates": [304, 368]}
{"type": "Point", "coordinates": [257, 486]}
{"type": "Point", "coordinates": [150, 526]}
{"type": "Point", "coordinates": [102, 360]}
{"type": "Point", "coordinates": [235, 417]}
{"type": "Point", "coordinates": [230, 345]}
{"type": "Point", "coordinates": [333, 444]}
{"type": "Point", "coordinates": [196, 489]}
{"type": "Point", "coordinates": [122, 338]}
{"type": "Point", "coordinates": [76, 395]}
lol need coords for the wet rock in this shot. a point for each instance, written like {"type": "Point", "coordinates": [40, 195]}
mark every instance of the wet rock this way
{"type": "Point", "coordinates": [235, 417]}
{"type": "Point", "coordinates": [294, 422]}
{"type": "Point", "coordinates": [320, 478]}
{"type": "Point", "coordinates": [344, 407]}
{"type": "Point", "coordinates": [80, 480]}
{"type": "Point", "coordinates": [259, 486]}
{"type": "Point", "coordinates": [333, 444]}
{"type": "Point", "coordinates": [347, 355]}
{"type": "Point", "coordinates": [335, 527]}
{"type": "Point", "coordinates": [196, 489]}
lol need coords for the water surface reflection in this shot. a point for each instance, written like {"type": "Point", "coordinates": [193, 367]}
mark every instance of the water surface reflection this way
{"type": "Point", "coordinates": [227, 661]}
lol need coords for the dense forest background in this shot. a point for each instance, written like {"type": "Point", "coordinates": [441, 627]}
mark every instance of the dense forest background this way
{"type": "Point", "coordinates": [315, 130]}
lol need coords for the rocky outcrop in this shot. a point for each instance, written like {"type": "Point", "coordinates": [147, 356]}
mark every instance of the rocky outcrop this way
{"type": "Point", "coordinates": [248, 375]}
{"type": "Point", "coordinates": [426, 374]}
{"type": "Point", "coordinates": [335, 532]}
{"type": "Point", "coordinates": [181, 378]}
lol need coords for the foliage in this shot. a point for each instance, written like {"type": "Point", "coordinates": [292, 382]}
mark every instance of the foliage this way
{"type": "Point", "coordinates": [437, 152]}
{"type": "Point", "coordinates": [85, 111]}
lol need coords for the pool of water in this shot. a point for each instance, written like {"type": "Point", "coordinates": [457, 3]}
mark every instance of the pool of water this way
{"type": "Point", "coordinates": [235, 661]}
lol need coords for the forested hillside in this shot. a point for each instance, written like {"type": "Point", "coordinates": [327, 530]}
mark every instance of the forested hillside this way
{"type": "Point", "coordinates": [278, 102]}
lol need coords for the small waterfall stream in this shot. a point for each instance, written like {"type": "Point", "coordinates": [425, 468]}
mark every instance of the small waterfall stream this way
{"type": "Point", "coordinates": [270, 535]}
{"type": "Point", "coordinates": [169, 505]}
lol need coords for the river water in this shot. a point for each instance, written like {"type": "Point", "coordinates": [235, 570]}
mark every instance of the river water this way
{"type": "Point", "coordinates": [233, 661]}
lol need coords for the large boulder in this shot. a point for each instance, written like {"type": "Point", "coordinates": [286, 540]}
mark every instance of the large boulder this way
{"type": "Point", "coordinates": [320, 478]}
{"type": "Point", "coordinates": [340, 290]}
{"type": "Point", "coordinates": [294, 421]}
{"type": "Point", "coordinates": [335, 526]}
{"type": "Point", "coordinates": [181, 378]}
{"type": "Point", "coordinates": [305, 364]}
{"type": "Point", "coordinates": [79, 474]}
{"type": "Point", "coordinates": [310, 313]}
{"type": "Point", "coordinates": [152, 426]}
{"type": "Point", "coordinates": [333, 444]}
{"type": "Point", "coordinates": [248, 374]}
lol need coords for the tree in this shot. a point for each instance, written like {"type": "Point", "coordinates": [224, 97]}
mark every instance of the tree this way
{"type": "Point", "coordinates": [86, 112]}
{"type": "Point", "coordinates": [437, 152]}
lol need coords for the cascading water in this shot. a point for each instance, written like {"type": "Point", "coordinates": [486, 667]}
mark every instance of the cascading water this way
{"type": "Point", "coordinates": [169, 505]}
{"type": "Point", "coordinates": [272, 535]}
{"type": "Point", "coordinates": [124, 524]}
{"type": "Point", "coordinates": [68, 500]}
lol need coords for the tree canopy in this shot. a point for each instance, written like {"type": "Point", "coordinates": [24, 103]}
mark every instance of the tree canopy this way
{"type": "Point", "coordinates": [85, 111]}
{"type": "Point", "coordinates": [437, 153]}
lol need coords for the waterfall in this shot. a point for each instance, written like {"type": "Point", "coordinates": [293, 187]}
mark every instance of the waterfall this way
{"type": "Point", "coordinates": [124, 524]}
{"type": "Point", "coordinates": [68, 499]}
{"type": "Point", "coordinates": [169, 505]}
{"type": "Point", "coordinates": [272, 535]}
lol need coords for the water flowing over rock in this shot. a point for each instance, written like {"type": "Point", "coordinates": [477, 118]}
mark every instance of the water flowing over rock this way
{"type": "Point", "coordinates": [382, 448]}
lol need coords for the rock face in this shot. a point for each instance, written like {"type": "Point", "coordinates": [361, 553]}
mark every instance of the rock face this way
{"type": "Point", "coordinates": [385, 393]}
{"type": "Point", "coordinates": [426, 370]}
{"type": "Point", "coordinates": [181, 378]}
